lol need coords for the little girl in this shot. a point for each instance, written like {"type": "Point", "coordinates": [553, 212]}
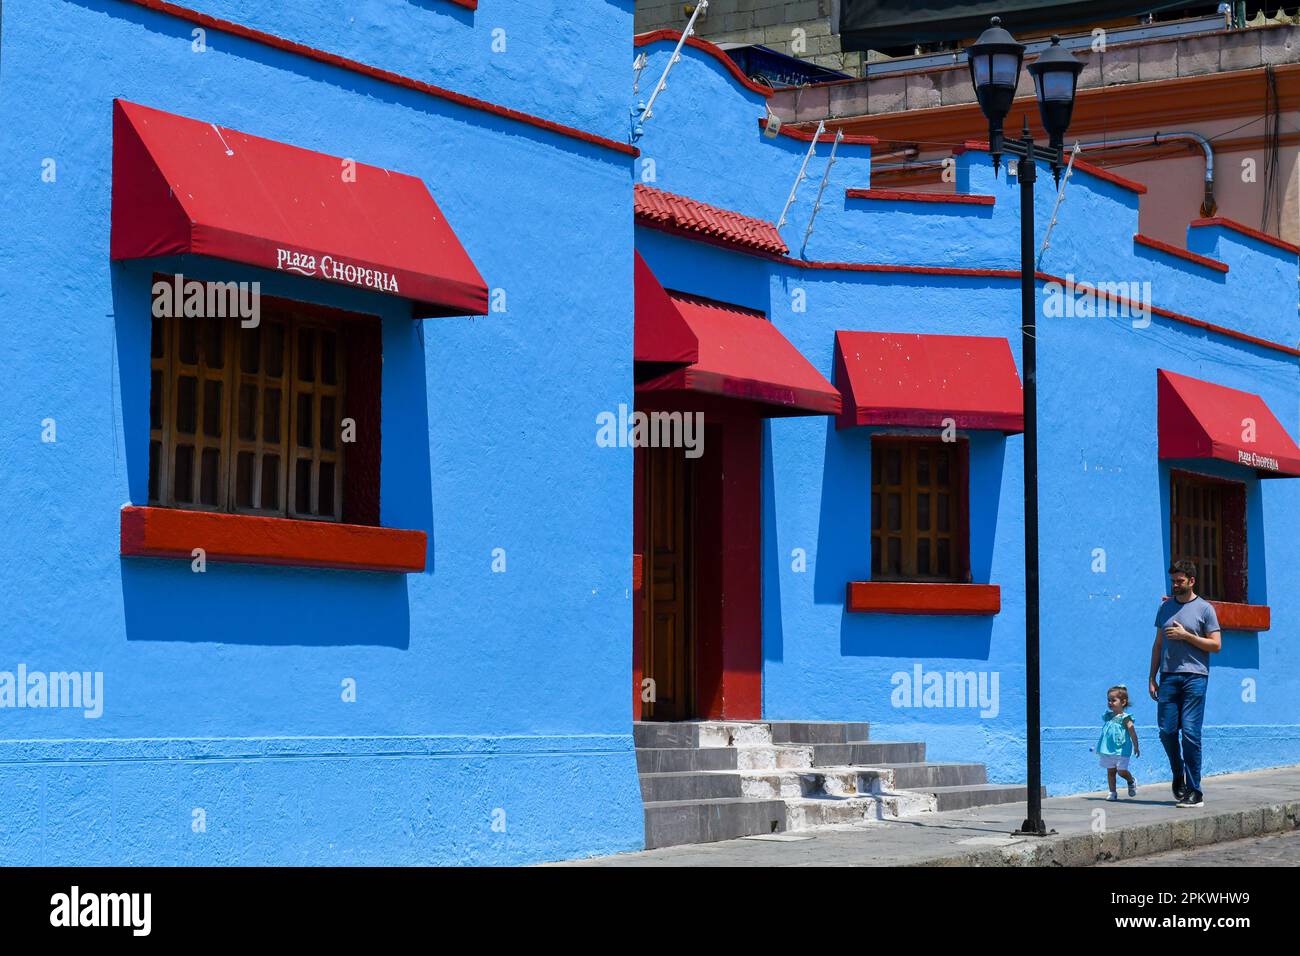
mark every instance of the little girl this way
{"type": "Point", "coordinates": [1118, 741]}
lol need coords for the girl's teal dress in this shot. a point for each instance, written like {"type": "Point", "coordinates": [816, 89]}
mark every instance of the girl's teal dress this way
{"type": "Point", "coordinates": [1114, 740]}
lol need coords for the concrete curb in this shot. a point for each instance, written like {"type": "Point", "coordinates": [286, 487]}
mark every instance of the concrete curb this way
{"type": "Point", "coordinates": [1123, 843]}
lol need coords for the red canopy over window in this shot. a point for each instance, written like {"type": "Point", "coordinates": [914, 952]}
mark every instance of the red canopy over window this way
{"type": "Point", "coordinates": [184, 186]}
{"type": "Point", "coordinates": [743, 356]}
{"type": "Point", "coordinates": [1203, 420]}
{"type": "Point", "coordinates": [923, 380]}
{"type": "Point", "coordinates": [662, 335]}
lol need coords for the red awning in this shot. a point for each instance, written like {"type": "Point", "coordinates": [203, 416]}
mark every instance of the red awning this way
{"type": "Point", "coordinates": [662, 335]}
{"type": "Point", "coordinates": [922, 380]}
{"type": "Point", "coordinates": [1203, 420]}
{"type": "Point", "coordinates": [743, 356]}
{"type": "Point", "coordinates": [184, 186]}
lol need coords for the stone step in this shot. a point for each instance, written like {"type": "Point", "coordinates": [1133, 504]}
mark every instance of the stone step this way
{"type": "Point", "coordinates": [806, 812]}
{"type": "Point", "coordinates": [771, 758]}
{"type": "Point", "coordinates": [672, 823]}
{"type": "Point", "coordinates": [679, 759]}
{"type": "Point", "coordinates": [925, 775]}
{"type": "Point", "coordinates": [873, 754]}
{"type": "Point", "coordinates": [818, 732]}
{"type": "Point", "coordinates": [811, 782]}
{"type": "Point", "coordinates": [690, 785]}
{"type": "Point", "coordinates": [701, 733]}
{"type": "Point", "coordinates": [732, 733]}
{"type": "Point", "coordinates": [979, 795]}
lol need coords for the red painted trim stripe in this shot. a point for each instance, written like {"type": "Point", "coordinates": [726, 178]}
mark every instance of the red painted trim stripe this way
{"type": "Point", "coordinates": [471, 4]}
{"type": "Point", "coordinates": [1102, 172]}
{"type": "Point", "coordinates": [889, 597]}
{"type": "Point", "coordinates": [902, 195]}
{"type": "Point", "coordinates": [977, 145]}
{"type": "Point", "coordinates": [966, 272]}
{"type": "Point", "coordinates": [644, 39]}
{"type": "Point", "coordinates": [1185, 319]}
{"type": "Point", "coordinates": [1206, 261]}
{"type": "Point", "coordinates": [251, 539]}
{"type": "Point", "coordinates": [828, 136]}
{"type": "Point", "coordinates": [1013, 274]}
{"type": "Point", "coordinates": [387, 76]}
{"type": "Point", "coordinates": [1247, 231]}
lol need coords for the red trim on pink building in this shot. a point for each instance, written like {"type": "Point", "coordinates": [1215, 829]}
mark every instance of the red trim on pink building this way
{"type": "Point", "coordinates": [798, 132]}
{"type": "Point", "coordinates": [1102, 172]}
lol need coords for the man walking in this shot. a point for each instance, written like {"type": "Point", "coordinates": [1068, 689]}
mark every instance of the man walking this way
{"type": "Point", "coordinates": [1187, 633]}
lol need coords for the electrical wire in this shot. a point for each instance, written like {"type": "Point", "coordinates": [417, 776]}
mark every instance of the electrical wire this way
{"type": "Point", "coordinates": [1271, 214]}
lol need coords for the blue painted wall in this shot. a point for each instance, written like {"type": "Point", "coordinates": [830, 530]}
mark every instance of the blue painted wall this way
{"type": "Point", "coordinates": [1101, 486]}
{"type": "Point", "coordinates": [480, 692]}
{"type": "Point", "coordinates": [476, 691]}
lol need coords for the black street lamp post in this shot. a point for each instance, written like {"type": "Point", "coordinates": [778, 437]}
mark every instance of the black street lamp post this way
{"type": "Point", "coordinates": [995, 72]}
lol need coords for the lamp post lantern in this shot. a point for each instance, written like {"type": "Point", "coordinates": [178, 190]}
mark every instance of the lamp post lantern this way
{"type": "Point", "coordinates": [995, 61]}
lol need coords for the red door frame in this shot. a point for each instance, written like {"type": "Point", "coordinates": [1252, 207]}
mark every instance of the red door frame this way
{"type": "Point", "coordinates": [728, 630]}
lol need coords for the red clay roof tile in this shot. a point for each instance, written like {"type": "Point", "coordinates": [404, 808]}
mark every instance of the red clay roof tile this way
{"type": "Point", "coordinates": [657, 207]}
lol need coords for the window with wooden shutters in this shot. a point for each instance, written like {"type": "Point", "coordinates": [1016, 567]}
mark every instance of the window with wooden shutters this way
{"type": "Point", "coordinates": [1208, 527]}
{"type": "Point", "coordinates": [918, 505]}
{"type": "Point", "coordinates": [247, 420]}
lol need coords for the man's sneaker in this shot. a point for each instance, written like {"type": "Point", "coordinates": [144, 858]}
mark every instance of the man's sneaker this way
{"type": "Point", "coordinates": [1193, 798]}
{"type": "Point", "coordinates": [1178, 787]}
{"type": "Point", "coordinates": [1113, 796]}
{"type": "Point", "coordinates": [1133, 789]}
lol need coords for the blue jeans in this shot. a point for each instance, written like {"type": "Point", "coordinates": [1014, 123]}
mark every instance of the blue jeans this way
{"type": "Point", "coordinates": [1180, 708]}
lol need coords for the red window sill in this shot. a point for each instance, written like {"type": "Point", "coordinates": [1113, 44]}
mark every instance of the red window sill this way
{"type": "Point", "coordinates": [249, 539]}
{"type": "Point", "coordinates": [1242, 617]}
{"type": "Point", "coordinates": [891, 597]}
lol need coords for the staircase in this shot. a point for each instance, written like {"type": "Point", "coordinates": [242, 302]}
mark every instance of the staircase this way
{"type": "Point", "coordinates": [703, 781]}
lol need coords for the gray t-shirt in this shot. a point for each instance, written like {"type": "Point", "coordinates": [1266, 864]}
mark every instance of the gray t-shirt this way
{"type": "Point", "coordinates": [1180, 657]}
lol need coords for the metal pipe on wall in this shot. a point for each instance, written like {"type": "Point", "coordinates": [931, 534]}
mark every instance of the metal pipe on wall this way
{"type": "Point", "coordinates": [1208, 204]}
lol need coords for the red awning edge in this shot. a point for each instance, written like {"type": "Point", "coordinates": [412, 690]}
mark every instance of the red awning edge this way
{"type": "Point", "coordinates": [927, 381]}
{"type": "Point", "coordinates": [743, 356]}
{"type": "Point", "coordinates": [660, 332]}
{"type": "Point", "coordinates": [182, 186]}
{"type": "Point", "coordinates": [1199, 419]}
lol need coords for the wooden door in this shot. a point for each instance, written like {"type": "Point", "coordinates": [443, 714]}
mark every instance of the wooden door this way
{"type": "Point", "coordinates": [669, 605]}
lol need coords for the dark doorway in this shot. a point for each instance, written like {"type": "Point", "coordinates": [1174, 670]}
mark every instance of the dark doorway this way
{"type": "Point", "coordinates": [669, 602]}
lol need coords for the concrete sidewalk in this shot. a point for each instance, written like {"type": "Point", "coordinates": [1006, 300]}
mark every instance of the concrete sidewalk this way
{"type": "Point", "coordinates": [1089, 830]}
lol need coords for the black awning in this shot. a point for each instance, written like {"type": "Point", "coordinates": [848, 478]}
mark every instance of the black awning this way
{"type": "Point", "coordinates": [880, 24]}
